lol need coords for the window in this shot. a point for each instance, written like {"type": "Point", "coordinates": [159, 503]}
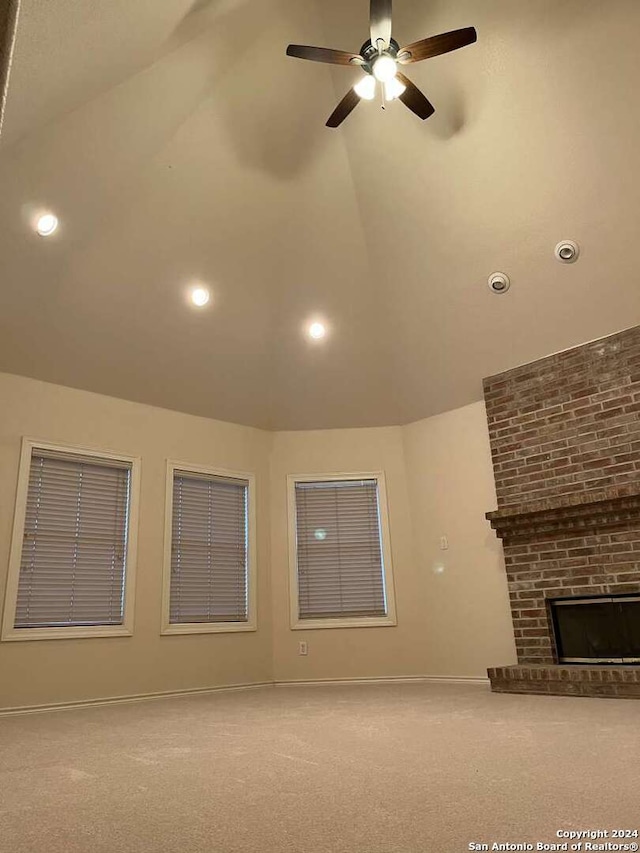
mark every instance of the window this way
{"type": "Point", "coordinates": [339, 552]}
{"type": "Point", "coordinates": [73, 549]}
{"type": "Point", "coordinates": [209, 552]}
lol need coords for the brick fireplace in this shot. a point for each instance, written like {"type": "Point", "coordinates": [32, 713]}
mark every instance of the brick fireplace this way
{"type": "Point", "coordinates": [565, 443]}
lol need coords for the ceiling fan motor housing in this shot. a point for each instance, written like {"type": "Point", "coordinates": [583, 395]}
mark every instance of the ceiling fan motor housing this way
{"type": "Point", "coordinates": [369, 52]}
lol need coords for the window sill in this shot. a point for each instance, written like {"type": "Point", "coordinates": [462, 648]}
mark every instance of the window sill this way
{"type": "Point", "coordinates": [353, 622]}
{"type": "Point", "coordinates": [207, 628]}
{"type": "Point", "coordinates": [79, 633]}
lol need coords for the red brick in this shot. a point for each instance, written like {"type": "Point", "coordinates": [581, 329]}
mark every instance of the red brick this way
{"type": "Point", "coordinates": [566, 426]}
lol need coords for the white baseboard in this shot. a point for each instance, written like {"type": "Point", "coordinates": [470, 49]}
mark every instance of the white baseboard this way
{"type": "Point", "coordinates": [391, 679]}
{"type": "Point", "coordinates": [478, 680]}
{"type": "Point", "coordinates": [201, 691]}
{"type": "Point", "coordinates": [123, 700]}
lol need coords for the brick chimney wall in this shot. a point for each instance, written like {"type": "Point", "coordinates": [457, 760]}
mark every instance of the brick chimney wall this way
{"type": "Point", "coordinates": [565, 441]}
{"type": "Point", "coordinates": [568, 423]}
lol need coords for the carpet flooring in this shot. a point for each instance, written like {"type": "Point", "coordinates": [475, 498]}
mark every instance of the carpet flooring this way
{"type": "Point", "coordinates": [403, 768]}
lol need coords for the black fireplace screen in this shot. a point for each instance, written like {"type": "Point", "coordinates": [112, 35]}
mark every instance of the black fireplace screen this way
{"type": "Point", "coordinates": [597, 630]}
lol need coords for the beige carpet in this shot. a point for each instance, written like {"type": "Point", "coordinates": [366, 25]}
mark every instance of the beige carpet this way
{"type": "Point", "coordinates": [402, 768]}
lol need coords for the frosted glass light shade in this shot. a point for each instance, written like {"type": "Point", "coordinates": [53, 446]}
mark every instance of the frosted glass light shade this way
{"type": "Point", "coordinates": [384, 69]}
{"type": "Point", "coordinates": [366, 88]}
{"type": "Point", "coordinates": [393, 89]}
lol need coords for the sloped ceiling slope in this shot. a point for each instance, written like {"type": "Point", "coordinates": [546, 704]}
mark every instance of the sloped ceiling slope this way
{"type": "Point", "coordinates": [177, 143]}
{"type": "Point", "coordinates": [8, 24]}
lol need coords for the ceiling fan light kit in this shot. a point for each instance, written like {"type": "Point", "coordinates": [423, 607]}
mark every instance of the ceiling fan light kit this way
{"type": "Point", "coordinates": [379, 58]}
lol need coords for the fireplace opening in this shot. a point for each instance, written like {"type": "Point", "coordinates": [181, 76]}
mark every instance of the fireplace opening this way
{"type": "Point", "coordinates": [597, 629]}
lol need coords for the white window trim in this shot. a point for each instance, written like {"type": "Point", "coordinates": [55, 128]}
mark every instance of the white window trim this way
{"type": "Point", "coordinates": [9, 632]}
{"type": "Point", "coordinates": [390, 619]}
{"type": "Point", "coordinates": [169, 628]}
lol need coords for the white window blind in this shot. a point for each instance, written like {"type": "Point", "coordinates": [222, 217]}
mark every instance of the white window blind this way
{"type": "Point", "coordinates": [339, 555]}
{"type": "Point", "coordinates": [209, 547]}
{"type": "Point", "coordinates": [72, 568]}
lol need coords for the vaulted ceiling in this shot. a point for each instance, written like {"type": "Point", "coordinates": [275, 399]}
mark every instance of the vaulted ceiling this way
{"type": "Point", "coordinates": [177, 143]}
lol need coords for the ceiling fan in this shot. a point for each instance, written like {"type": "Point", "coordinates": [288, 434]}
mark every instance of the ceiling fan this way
{"type": "Point", "coordinates": [379, 58]}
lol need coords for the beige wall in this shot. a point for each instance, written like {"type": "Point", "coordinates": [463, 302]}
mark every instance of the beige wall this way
{"type": "Point", "coordinates": [465, 608]}
{"type": "Point", "coordinates": [349, 652]}
{"type": "Point", "coordinates": [50, 671]}
{"type": "Point", "coordinates": [439, 483]}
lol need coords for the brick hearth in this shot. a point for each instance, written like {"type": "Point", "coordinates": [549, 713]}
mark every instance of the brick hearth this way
{"type": "Point", "coordinates": [565, 440]}
{"type": "Point", "coordinates": [622, 682]}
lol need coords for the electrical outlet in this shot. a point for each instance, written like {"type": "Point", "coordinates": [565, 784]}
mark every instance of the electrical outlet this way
{"type": "Point", "coordinates": [303, 648]}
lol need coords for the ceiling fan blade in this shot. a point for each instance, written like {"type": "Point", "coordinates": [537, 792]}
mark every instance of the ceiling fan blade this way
{"type": "Point", "coordinates": [413, 98]}
{"type": "Point", "coordinates": [437, 45]}
{"type": "Point", "coordinates": [346, 106]}
{"type": "Point", "coordinates": [380, 21]}
{"type": "Point", "coordinates": [324, 54]}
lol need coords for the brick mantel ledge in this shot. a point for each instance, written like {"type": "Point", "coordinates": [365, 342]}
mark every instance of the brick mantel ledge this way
{"type": "Point", "coordinates": [568, 513]}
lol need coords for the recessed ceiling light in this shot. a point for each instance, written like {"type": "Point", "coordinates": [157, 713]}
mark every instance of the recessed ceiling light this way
{"type": "Point", "coordinates": [317, 331]}
{"type": "Point", "coordinates": [46, 224]}
{"type": "Point", "coordinates": [200, 296]}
